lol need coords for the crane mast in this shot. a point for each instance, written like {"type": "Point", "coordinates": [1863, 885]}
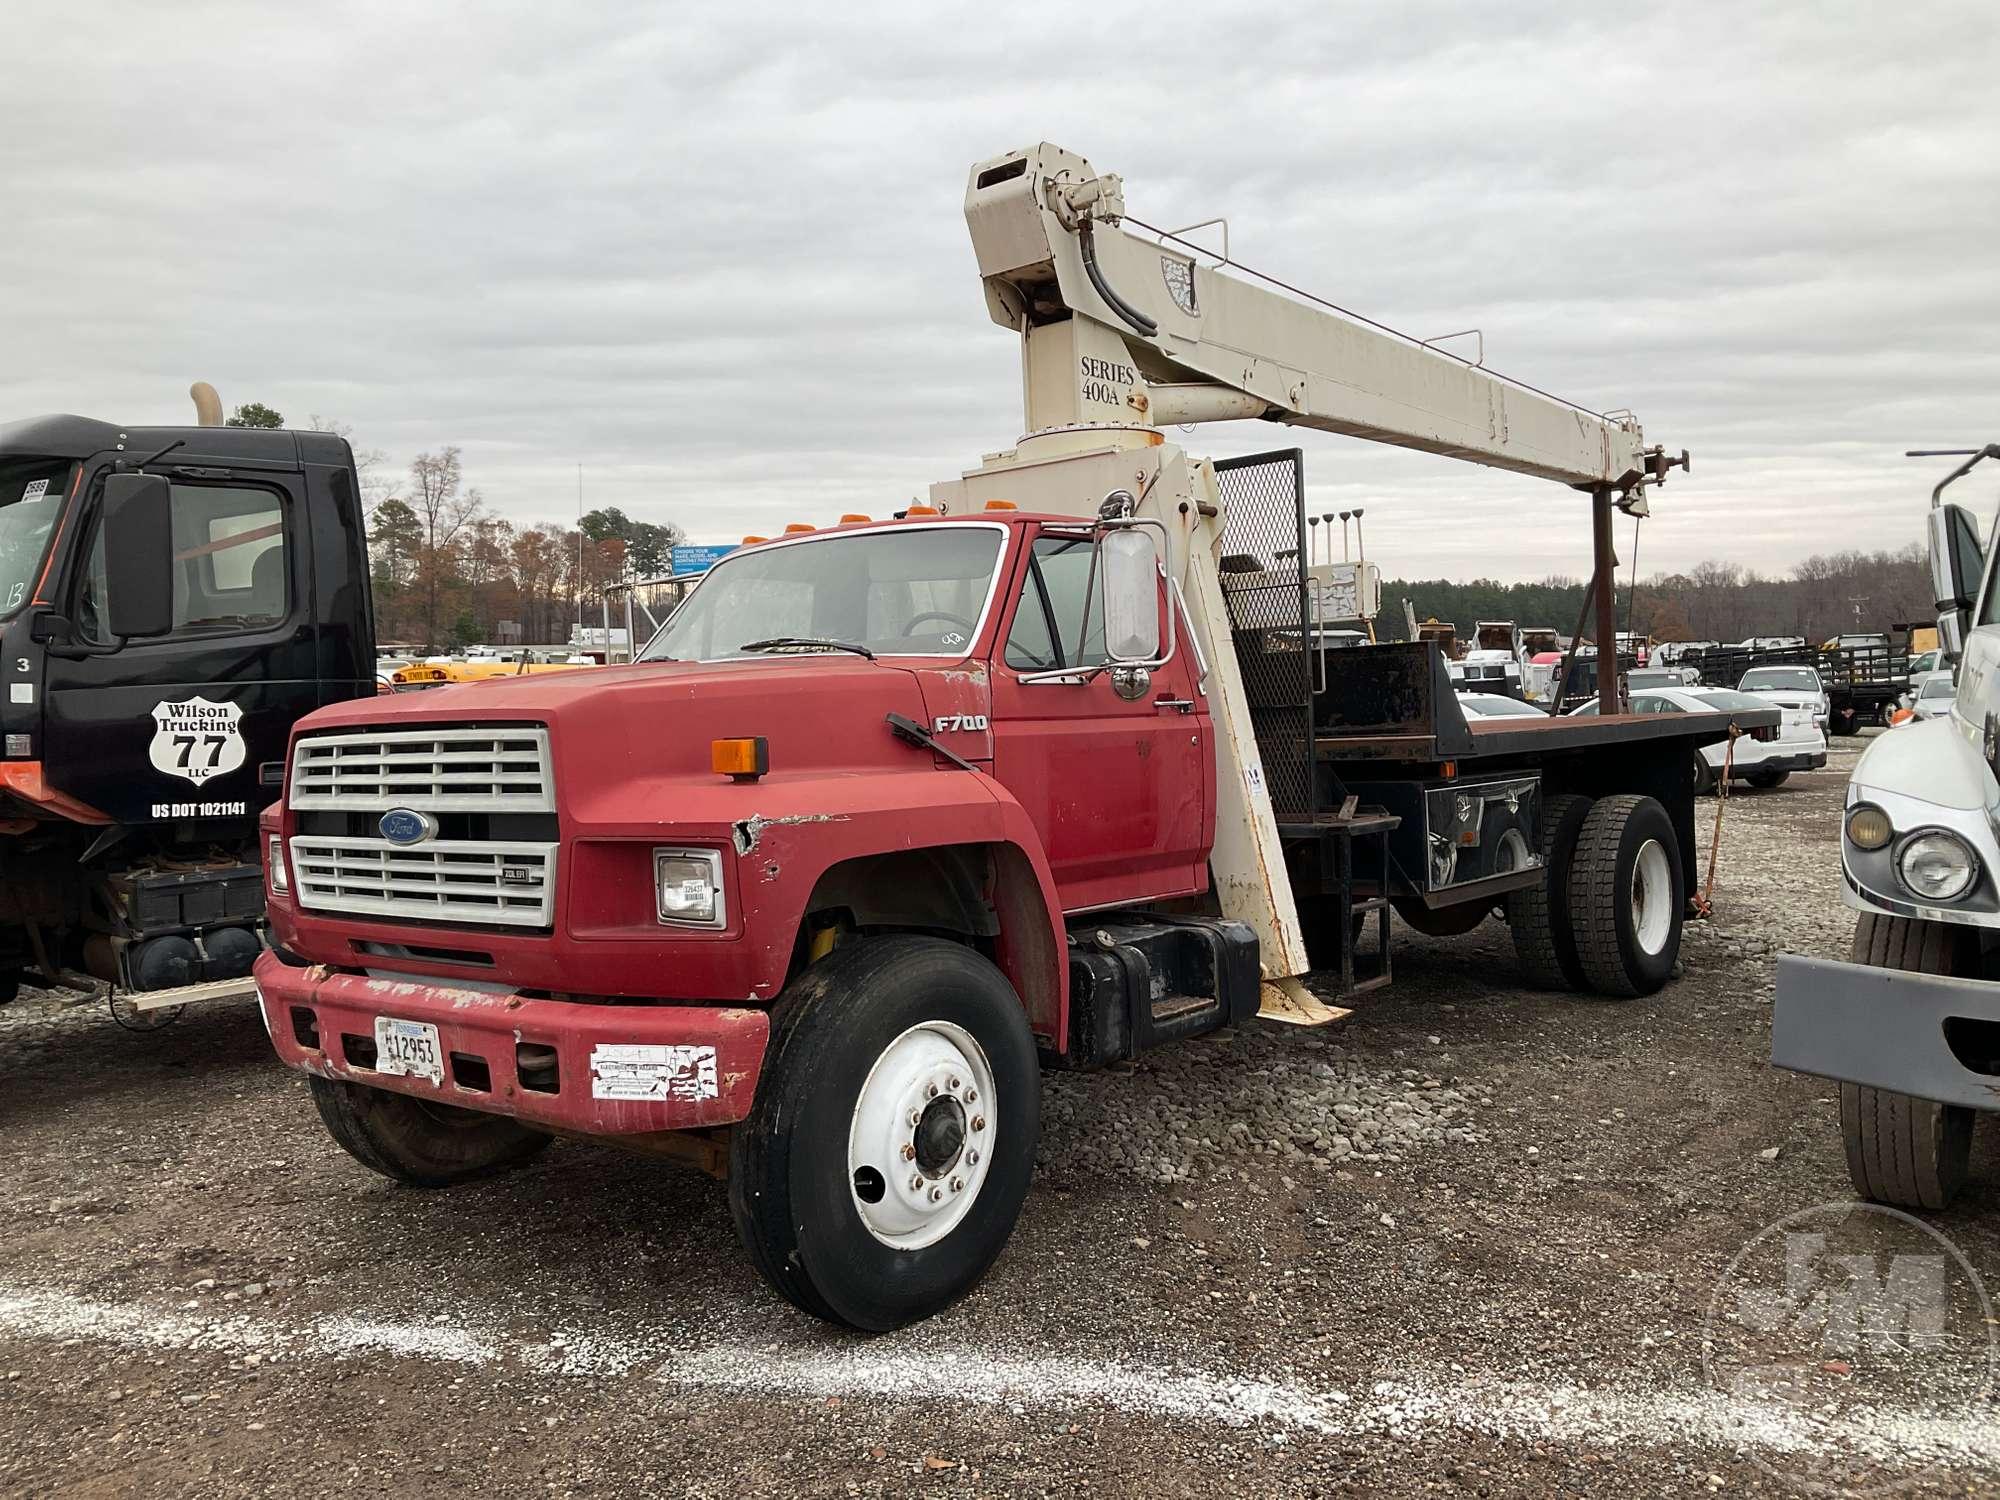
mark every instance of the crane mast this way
{"type": "Point", "coordinates": [1123, 335]}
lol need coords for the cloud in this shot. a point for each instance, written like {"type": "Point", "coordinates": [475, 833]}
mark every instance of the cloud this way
{"type": "Point", "coordinates": [717, 256]}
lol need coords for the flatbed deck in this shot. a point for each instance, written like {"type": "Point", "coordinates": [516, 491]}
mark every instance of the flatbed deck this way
{"type": "Point", "coordinates": [1537, 735]}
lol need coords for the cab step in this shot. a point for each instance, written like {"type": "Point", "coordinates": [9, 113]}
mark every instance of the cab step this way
{"type": "Point", "coordinates": [1138, 979]}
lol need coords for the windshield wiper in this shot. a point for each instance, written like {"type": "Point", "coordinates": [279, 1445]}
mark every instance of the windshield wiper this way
{"type": "Point", "coordinates": [805, 643]}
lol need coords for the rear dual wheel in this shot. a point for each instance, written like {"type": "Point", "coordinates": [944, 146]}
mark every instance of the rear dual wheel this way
{"type": "Point", "coordinates": [1607, 915]}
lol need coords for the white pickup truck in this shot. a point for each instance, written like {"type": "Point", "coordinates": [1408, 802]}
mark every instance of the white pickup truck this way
{"type": "Point", "coordinates": [1911, 1027]}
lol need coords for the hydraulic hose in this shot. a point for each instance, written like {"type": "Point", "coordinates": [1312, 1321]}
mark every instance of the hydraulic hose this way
{"type": "Point", "coordinates": [1112, 300]}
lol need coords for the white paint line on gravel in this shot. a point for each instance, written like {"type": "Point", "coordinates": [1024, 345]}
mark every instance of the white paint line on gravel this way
{"type": "Point", "coordinates": [918, 1367]}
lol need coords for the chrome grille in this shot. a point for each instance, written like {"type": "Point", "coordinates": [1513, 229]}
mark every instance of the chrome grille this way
{"type": "Point", "coordinates": [445, 880]}
{"type": "Point", "coordinates": [430, 770]}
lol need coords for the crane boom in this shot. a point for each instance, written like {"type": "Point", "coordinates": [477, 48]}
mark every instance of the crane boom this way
{"type": "Point", "coordinates": [1120, 329]}
{"type": "Point", "coordinates": [1121, 336]}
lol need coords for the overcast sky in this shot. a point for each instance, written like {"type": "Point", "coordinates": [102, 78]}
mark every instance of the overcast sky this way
{"type": "Point", "coordinates": [716, 254]}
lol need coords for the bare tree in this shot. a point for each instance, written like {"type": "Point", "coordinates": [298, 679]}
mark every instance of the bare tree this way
{"type": "Point", "coordinates": [443, 509]}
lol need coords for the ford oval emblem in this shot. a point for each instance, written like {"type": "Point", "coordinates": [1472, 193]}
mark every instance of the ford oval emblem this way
{"type": "Point", "coordinates": [404, 826]}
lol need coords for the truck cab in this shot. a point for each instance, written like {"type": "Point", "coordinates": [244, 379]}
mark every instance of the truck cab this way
{"type": "Point", "coordinates": [1910, 1027]}
{"type": "Point", "coordinates": [171, 600]}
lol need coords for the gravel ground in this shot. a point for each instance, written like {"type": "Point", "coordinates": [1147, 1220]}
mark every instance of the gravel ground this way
{"type": "Point", "coordinates": [1463, 1244]}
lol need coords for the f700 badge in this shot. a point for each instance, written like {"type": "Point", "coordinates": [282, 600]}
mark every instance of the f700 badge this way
{"type": "Point", "coordinates": [946, 723]}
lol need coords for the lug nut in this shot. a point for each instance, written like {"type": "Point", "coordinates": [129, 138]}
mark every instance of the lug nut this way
{"type": "Point", "coordinates": [972, 1158]}
{"type": "Point", "coordinates": [916, 1117]}
{"type": "Point", "coordinates": [972, 1096]}
{"type": "Point", "coordinates": [979, 1122]}
{"type": "Point", "coordinates": [958, 1184]}
{"type": "Point", "coordinates": [952, 1085]}
{"type": "Point", "coordinates": [909, 1152]}
{"type": "Point", "coordinates": [936, 1194]}
{"type": "Point", "coordinates": [930, 1091]}
{"type": "Point", "coordinates": [916, 1182]}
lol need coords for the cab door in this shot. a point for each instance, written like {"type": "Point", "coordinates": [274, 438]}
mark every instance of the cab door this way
{"type": "Point", "coordinates": [175, 728]}
{"type": "Point", "coordinates": [1118, 783]}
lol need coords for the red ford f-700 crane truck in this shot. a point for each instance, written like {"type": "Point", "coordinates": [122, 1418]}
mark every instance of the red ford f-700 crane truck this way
{"type": "Point", "coordinates": [892, 814]}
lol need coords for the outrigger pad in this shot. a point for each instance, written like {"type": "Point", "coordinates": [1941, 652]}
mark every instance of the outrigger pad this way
{"type": "Point", "coordinates": [1290, 1003]}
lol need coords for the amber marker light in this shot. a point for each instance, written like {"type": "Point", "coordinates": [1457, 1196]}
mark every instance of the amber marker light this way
{"type": "Point", "coordinates": [743, 759]}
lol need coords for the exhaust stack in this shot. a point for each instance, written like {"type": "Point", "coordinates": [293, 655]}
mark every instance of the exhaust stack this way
{"type": "Point", "coordinates": [207, 405]}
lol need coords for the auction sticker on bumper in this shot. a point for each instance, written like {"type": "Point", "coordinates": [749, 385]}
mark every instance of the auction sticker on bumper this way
{"type": "Point", "coordinates": [409, 1049]}
{"type": "Point", "coordinates": [641, 1070]}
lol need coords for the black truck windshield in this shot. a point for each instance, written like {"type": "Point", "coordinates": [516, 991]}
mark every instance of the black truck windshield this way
{"type": "Point", "coordinates": [915, 591]}
{"type": "Point", "coordinates": [31, 497]}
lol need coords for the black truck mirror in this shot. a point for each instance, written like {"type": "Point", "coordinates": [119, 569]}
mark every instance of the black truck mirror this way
{"type": "Point", "coordinates": [138, 555]}
{"type": "Point", "coordinates": [1958, 563]}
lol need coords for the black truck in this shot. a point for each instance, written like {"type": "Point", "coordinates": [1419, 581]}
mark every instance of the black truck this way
{"type": "Point", "coordinates": [1864, 683]}
{"type": "Point", "coordinates": [146, 709]}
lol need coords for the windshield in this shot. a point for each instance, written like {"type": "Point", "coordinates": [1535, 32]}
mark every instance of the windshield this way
{"type": "Point", "coordinates": [1495, 707]}
{"type": "Point", "coordinates": [1938, 687]}
{"type": "Point", "coordinates": [32, 491]}
{"type": "Point", "coordinates": [1780, 679]}
{"type": "Point", "coordinates": [913, 591]}
{"type": "Point", "coordinates": [1723, 698]}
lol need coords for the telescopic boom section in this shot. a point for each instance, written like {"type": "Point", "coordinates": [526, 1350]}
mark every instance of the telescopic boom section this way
{"type": "Point", "coordinates": [1123, 329]}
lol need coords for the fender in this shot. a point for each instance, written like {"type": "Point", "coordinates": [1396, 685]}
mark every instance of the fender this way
{"type": "Point", "coordinates": [795, 831]}
{"type": "Point", "coordinates": [1928, 775]}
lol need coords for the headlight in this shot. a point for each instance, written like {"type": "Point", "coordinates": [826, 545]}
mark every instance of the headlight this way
{"type": "Point", "coordinates": [1868, 827]}
{"type": "Point", "coordinates": [689, 884]}
{"type": "Point", "coordinates": [281, 878]}
{"type": "Point", "coordinates": [1937, 866]}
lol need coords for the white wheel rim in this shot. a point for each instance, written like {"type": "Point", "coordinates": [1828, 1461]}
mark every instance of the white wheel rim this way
{"type": "Point", "coordinates": [1652, 897]}
{"type": "Point", "coordinates": [921, 1140]}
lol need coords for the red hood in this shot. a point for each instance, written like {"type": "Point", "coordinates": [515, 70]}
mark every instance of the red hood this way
{"type": "Point", "coordinates": [817, 712]}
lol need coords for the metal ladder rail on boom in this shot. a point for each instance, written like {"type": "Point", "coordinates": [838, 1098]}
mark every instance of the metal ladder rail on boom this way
{"type": "Point", "coordinates": [1122, 335]}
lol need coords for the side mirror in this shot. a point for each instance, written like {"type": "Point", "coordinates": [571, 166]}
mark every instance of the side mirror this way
{"type": "Point", "coordinates": [1131, 596]}
{"type": "Point", "coordinates": [138, 555]}
{"type": "Point", "coordinates": [1958, 563]}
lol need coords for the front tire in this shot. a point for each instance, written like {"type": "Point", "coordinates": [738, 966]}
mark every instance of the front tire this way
{"type": "Point", "coordinates": [892, 1138]}
{"type": "Point", "coordinates": [1625, 888]}
{"type": "Point", "coordinates": [419, 1142]}
{"type": "Point", "coordinates": [1913, 1153]}
{"type": "Point", "coordinates": [1765, 781]}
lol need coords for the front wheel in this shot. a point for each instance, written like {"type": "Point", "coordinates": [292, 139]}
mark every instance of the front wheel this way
{"type": "Point", "coordinates": [1910, 1152]}
{"type": "Point", "coordinates": [892, 1137]}
{"type": "Point", "coordinates": [1625, 888]}
{"type": "Point", "coordinates": [419, 1142]}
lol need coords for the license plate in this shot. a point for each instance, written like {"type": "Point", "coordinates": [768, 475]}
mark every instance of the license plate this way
{"type": "Point", "coordinates": [409, 1049]}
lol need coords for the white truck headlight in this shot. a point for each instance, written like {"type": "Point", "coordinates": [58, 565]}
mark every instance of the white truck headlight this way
{"type": "Point", "coordinates": [281, 878]}
{"type": "Point", "coordinates": [689, 885]}
{"type": "Point", "coordinates": [1937, 866]}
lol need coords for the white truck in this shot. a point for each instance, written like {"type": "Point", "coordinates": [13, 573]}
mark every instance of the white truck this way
{"type": "Point", "coordinates": [1911, 1027]}
{"type": "Point", "coordinates": [1496, 662]}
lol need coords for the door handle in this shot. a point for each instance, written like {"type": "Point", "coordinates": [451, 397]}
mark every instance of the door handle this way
{"type": "Point", "coordinates": [1184, 705]}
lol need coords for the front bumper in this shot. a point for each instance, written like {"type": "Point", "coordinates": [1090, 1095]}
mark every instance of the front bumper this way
{"type": "Point", "coordinates": [701, 1069]}
{"type": "Point", "coordinates": [1781, 760]}
{"type": "Point", "coordinates": [1887, 1028]}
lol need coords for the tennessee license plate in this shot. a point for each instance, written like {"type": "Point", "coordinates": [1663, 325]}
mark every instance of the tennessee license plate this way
{"type": "Point", "coordinates": [408, 1048]}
